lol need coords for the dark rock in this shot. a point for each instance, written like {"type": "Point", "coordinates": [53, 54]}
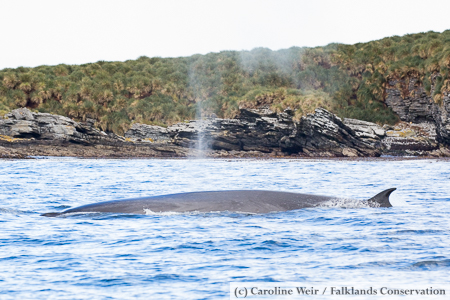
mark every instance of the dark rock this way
{"type": "Point", "coordinates": [441, 152]}
{"type": "Point", "coordinates": [325, 134]}
{"type": "Point", "coordinates": [408, 98]}
{"type": "Point", "coordinates": [251, 132]}
{"type": "Point", "coordinates": [411, 139]}
{"type": "Point", "coordinates": [254, 133]}
{"type": "Point", "coordinates": [149, 133]}
{"type": "Point", "coordinates": [24, 133]}
{"type": "Point", "coordinates": [11, 153]}
{"type": "Point", "coordinates": [21, 114]}
{"type": "Point", "coordinates": [408, 145]}
{"type": "Point", "coordinates": [22, 123]}
{"type": "Point", "coordinates": [321, 133]}
{"type": "Point", "coordinates": [27, 147]}
{"type": "Point", "coordinates": [366, 130]}
{"type": "Point", "coordinates": [248, 113]}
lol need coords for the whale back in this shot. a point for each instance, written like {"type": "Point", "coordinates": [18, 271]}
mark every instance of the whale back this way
{"type": "Point", "coordinates": [245, 201]}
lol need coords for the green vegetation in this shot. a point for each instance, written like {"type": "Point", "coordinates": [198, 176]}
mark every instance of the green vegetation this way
{"type": "Point", "coordinates": [348, 80]}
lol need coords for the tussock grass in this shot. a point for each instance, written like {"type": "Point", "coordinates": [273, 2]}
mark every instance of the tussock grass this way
{"type": "Point", "coordinates": [348, 80]}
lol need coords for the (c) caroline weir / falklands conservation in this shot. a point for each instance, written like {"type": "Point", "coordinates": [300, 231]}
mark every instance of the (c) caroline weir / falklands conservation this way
{"type": "Point", "coordinates": [146, 155]}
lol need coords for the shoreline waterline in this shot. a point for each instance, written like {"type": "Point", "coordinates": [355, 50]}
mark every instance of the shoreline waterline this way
{"type": "Point", "coordinates": [281, 158]}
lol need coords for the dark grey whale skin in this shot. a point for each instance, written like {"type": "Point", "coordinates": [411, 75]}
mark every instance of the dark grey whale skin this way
{"type": "Point", "coordinates": [246, 201]}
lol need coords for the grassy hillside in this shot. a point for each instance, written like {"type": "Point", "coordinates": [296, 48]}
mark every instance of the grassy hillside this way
{"type": "Point", "coordinates": [349, 80]}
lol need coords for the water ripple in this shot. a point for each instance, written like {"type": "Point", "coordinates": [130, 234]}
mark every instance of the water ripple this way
{"type": "Point", "coordinates": [196, 255]}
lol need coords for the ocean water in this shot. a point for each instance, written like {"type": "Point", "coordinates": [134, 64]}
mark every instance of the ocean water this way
{"type": "Point", "coordinates": [197, 255]}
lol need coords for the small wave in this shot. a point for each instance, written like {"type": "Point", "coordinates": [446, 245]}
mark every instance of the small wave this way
{"type": "Point", "coordinates": [418, 231]}
{"type": "Point", "coordinates": [373, 264]}
{"type": "Point", "coordinates": [431, 264]}
{"type": "Point", "coordinates": [13, 211]}
{"type": "Point", "coordinates": [161, 213]}
{"type": "Point", "coordinates": [53, 158]}
{"type": "Point", "coordinates": [101, 215]}
{"type": "Point", "coordinates": [196, 213]}
{"type": "Point", "coordinates": [173, 277]}
{"type": "Point", "coordinates": [346, 203]}
{"type": "Point", "coordinates": [60, 207]}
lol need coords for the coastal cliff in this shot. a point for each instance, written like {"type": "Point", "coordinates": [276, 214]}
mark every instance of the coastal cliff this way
{"type": "Point", "coordinates": [412, 103]}
{"type": "Point", "coordinates": [24, 133]}
{"type": "Point", "coordinates": [253, 133]}
{"type": "Point", "coordinates": [321, 101]}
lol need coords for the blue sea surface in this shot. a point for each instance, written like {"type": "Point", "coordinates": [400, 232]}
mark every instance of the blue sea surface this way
{"type": "Point", "coordinates": [197, 255]}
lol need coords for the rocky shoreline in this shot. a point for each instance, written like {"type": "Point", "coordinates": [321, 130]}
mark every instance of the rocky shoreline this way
{"type": "Point", "coordinates": [254, 133]}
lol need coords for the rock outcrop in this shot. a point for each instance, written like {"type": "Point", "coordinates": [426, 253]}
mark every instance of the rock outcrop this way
{"type": "Point", "coordinates": [254, 133]}
{"type": "Point", "coordinates": [11, 153]}
{"type": "Point", "coordinates": [408, 98]}
{"type": "Point", "coordinates": [411, 139]}
{"type": "Point", "coordinates": [367, 131]}
{"type": "Point", "coordinates": [250, 132]}
{"type": "Point", "coordinates": [22, 123]}
{"type": "Point", "coordinates": [318, 134]}
{"type": "Point", "coordinates": [327, 135]}
{"type": "Point", "coordinates": [147, 133]}
{"type": "Point", "coordinates": [24, 133]}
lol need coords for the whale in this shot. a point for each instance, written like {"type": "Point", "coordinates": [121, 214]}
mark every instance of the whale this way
{"type": "Point", "coordinates": [240, 201]}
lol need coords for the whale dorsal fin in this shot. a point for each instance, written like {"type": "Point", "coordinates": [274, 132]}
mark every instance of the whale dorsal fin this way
{"type": "Point", "coordinates": [382, 199]}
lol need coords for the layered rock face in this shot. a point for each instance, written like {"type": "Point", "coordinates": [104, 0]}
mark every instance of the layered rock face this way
{"type": "Point", "coordinates": [24, 133]}
{"type": "Point", "coordinates": [318, 134]}
{"type": "Point", "coordinates": [11, 153]}
{"type": "Point", "coordinates": [147, 133]}
{"type": "Point", "coordinates": [415, 138]}
{"type": "Point", "coordinates": [251, 132]}
{"type": "Point", "coordinates": [326, 134]}
{"type": "Point", "coordinates": [408, 98]}
{"type": "Point", "coordinates": [22, 123]}
{"type": "Point", "coordinates": [254, 133]}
